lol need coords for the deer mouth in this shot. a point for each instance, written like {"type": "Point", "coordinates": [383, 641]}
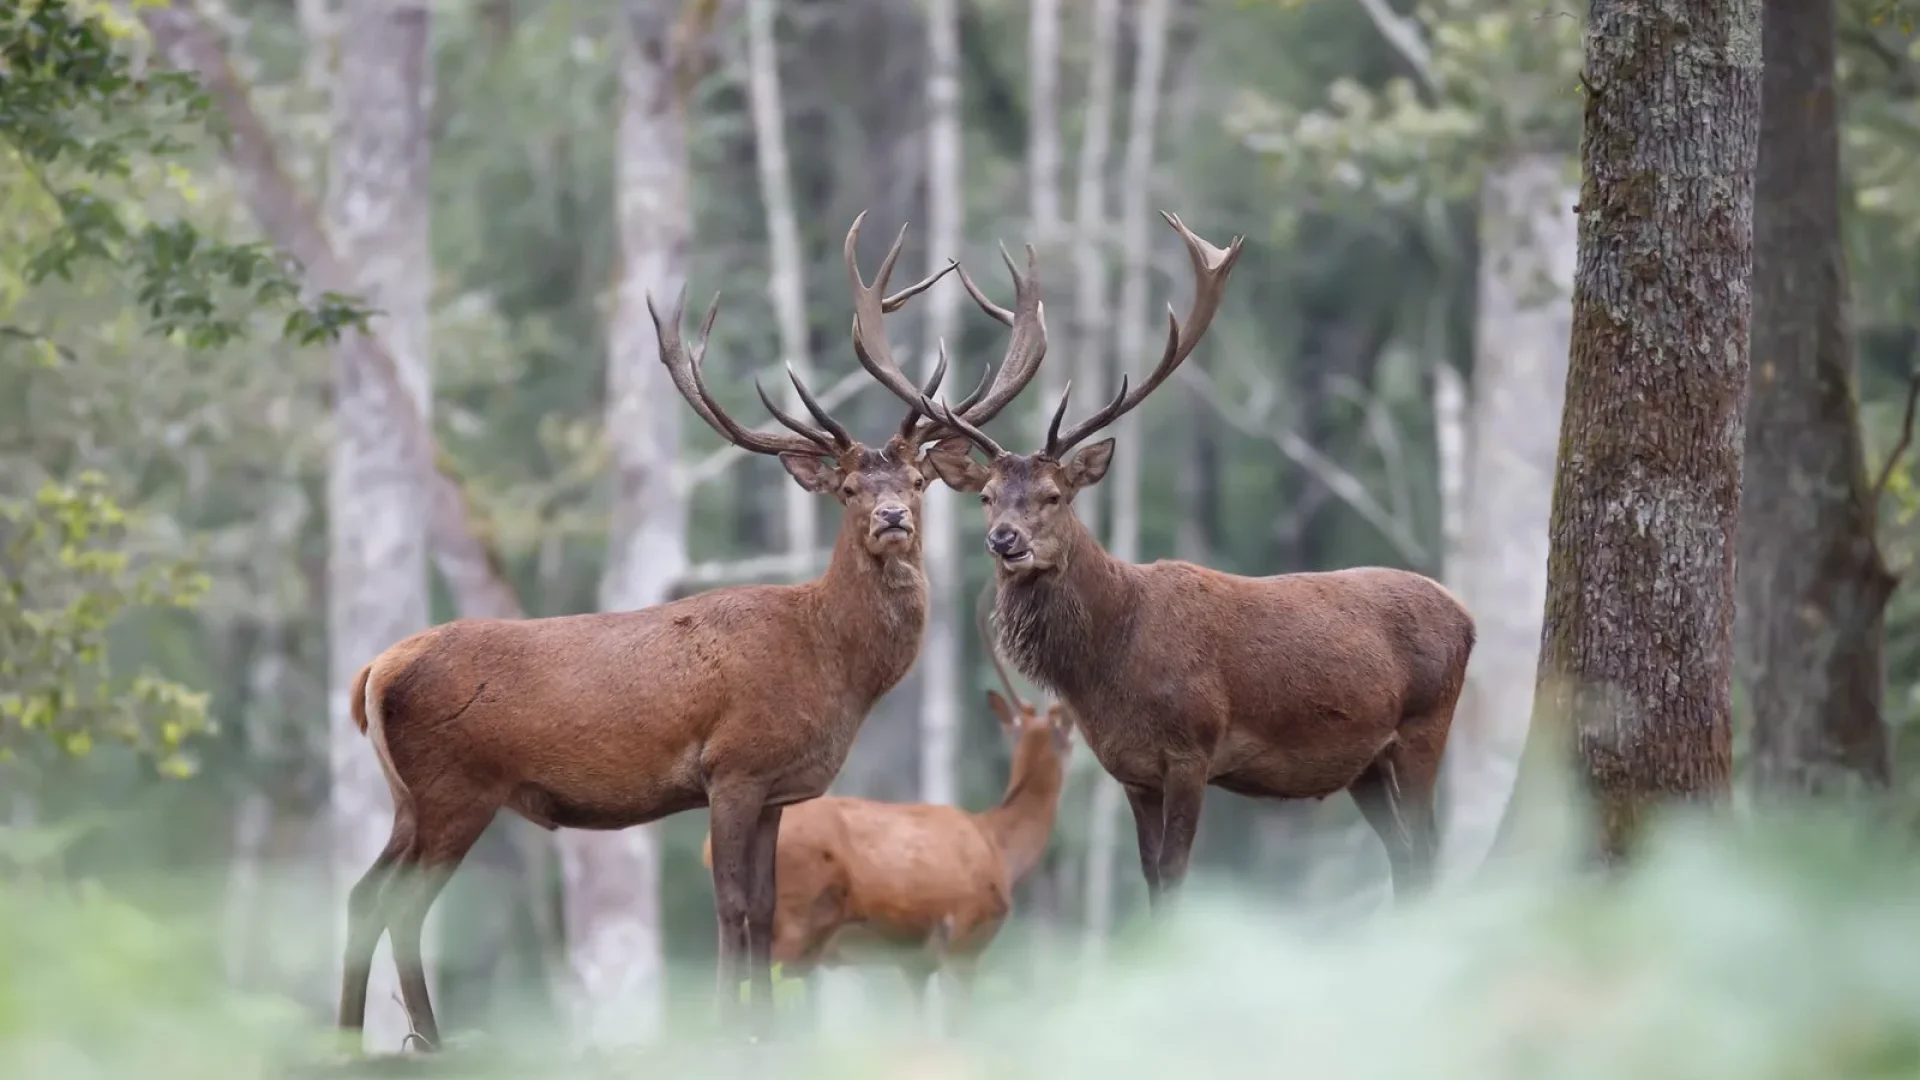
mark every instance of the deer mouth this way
{"type": "Point", "coordinates": [892, 530]}
{"type": "Point", "coordinates": [1016, 558]}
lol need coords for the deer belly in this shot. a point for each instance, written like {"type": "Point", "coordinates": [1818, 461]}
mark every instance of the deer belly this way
{"type": "Point", "coordinates": [1295, 768]}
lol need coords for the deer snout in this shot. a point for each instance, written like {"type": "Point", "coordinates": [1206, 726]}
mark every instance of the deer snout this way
{"type": "Point", "coordinates": [1005, 540]}
{"type": "Point", "coordinates": [890, 517]}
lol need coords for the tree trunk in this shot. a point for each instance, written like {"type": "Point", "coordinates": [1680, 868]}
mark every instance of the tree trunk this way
{"type": "Point", "coordinates": [1091, 312]}
{"type": "Point", "coordinates": [1150, 53]}
{"type": "Point", "coordinates": [469, 566]}
{"type": "Point", "coordinates": [1528, 237]}
{"type": "Point", "coordinates": [1637, 652]}
{"type": "Point", "coordinates": [612, 904]}
{"type": "Point", "coordinates": [377, 208]}
{"type": "Point", "coordinates": [786, 284]}
{"type": "Point", "coordinates": [1043, 170]}
{"type": "Point", "coordinates": [1813, 586]}
{"type": "Point", "coordinates": [940, 655]}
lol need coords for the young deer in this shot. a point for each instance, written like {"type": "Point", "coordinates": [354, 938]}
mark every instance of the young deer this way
{"type": "Point", "coordinates": [742, 699]}
{"type": "Point", "coordinates": [922, 887]}
{"type": "Point", "coordinates": [1293, 686]}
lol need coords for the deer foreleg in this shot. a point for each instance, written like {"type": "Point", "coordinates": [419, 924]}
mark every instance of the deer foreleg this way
{"type": "Point", "coordinates": [1149, 824]}
{"type": "Point", "coordinates": [1184, 791]}
{"type": "Point", "coordinates": [762, 895]}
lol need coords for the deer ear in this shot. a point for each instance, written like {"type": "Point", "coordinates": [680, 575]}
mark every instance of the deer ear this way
{"type": "Point", "coordinates": [1090, 464]}
{"type": "Point", "coordinates": [815, 474]}
{"type": "Point", "coordinates": [1000, 708]}
{"type": "Point", "coordinates": [951, 460]}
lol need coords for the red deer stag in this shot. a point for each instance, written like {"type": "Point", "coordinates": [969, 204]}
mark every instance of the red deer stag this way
{"type": "Point", "coordinates": [1292, 686]}
{"type": "Point", "coordinates": [922, 887]}
{"type": "Point", "coordinates": [742, 699]}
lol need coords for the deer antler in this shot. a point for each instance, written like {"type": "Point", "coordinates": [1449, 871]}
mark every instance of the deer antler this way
{"type": "Point", "coordinates": [982, 610]}
{"type": "Point", "coordinates": [1211, 265]}
{"type": "Point", "coordinates": [1023, 357]}
{"type": "Point", "coordinates": [689, 377]}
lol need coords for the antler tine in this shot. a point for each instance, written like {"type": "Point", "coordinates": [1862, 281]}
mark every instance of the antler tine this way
{"type": "Point", "coordinates": [1211, 267]}
{"type": "Point", "coordinates": [982, 609]}
{"type": "Point", "coordinates": [918, 426]}
{"type": "Point", "coordinates": [869, 306]}
{"type": "Point", "coordinates": [899, 300]}
{"type": "Point", "coordinates": [791, 424]}
{"type": "Point", "coordinates": [1057, 446]}
{"type": "Point", "coordinates": [689, 378]}
{"type": "Point", "coordinates": [944, 412]}
{"type": "Point", "coordinates": [828, 424]}
{"type": "Point", "coordinates": [1027, 345]}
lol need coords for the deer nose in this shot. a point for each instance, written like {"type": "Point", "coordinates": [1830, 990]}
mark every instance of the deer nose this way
{"type": "Point", "coordinates": [1002, 539]}
{"type": "Point", "coordinates": [893, 516]}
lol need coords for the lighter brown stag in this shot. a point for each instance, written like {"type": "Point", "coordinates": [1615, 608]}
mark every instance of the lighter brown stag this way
{"type": "Point", "coordinates": [742, 699]}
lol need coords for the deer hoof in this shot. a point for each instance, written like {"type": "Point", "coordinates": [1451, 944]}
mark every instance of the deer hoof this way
{"type": "Point", "coordinates": [417, 1041]}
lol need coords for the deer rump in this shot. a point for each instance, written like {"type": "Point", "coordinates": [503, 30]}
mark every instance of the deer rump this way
{"type": "Point", "coordinates": [941, 883]}
{"type": "Point", "coordinates": [1297, 682]}
{"type": "Point", "coordinates": [660, 696]}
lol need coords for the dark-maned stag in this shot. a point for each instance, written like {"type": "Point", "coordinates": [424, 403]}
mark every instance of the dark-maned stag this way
{"type": "Point", "coordinates": [1294, 686]}
{"type": "Point", "coordinates": [742, 699]}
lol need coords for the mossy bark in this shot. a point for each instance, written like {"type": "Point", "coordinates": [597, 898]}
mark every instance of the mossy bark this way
{"type": "Point", "coordinates": [1813, 585]}
{"type": "Point", "coordinates": [1636, 656]}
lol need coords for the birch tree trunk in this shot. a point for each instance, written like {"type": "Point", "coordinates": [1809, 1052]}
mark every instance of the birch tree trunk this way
{"type": "Point", "coordinates": [786, 284]}
{"type": "Point", "coordinates": [1528, 237]}
{"type": "Point", "coordinates": [190, 42]}
{"type": "Point", "coordinates": [1636, 656]}
{"type": "Point", "coordinates": [940, 655]}
{"type": "Point", "coordinates": [1813, 584]}
{"type": "Point", "coordinates": [377, 210]}
{"type": "Point", "coordinates": [1150, 52]}
{"type": "Point", "coordinates": [1043, 169]}
{"type": "Point", "coordinates": [612, 904]}
{"type": "Point", "coordinates": [1091, 313]}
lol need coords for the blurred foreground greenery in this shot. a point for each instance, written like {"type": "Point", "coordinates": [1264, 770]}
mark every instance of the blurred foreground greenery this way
{"type": "Point", "coordinates": [1778, 946]}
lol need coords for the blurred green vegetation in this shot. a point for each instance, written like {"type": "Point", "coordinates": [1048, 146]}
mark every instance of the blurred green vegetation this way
{"type": "Point", "coordinates": [1781, 946]}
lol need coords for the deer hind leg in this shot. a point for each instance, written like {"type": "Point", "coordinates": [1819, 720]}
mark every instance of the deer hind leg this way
{"type": "Point", "coordinates": [444, 832]}
{"type": "Point", "coordinates": [366, 921]}
{"type": "Point", "coordinates": [1396, 795]}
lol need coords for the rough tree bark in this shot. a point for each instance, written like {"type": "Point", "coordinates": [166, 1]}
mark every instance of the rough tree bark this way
{"type": "Point", "coordinates": [786, 283]}
{"type": "Point", "coordinates": [612, 879]}
{"type": "Point", "coordinates": [1136, 325]}
{"type": "Point", "coordinates": [1043, 169]}
{"type": "Point", "coordinates": [377, 207]}
{"type": "Point", "coordinates": [1498, 565]}
{"type": "Point", "coordinates": [1636, 656]}
{"type": "Point", "coordinates": [1813, 584]}
{"type": "Point", "coordinates": [940, 654]}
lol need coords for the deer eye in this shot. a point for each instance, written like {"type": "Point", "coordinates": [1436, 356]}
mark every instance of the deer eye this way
{"type": "Point", "coordinates": [918, 483]}
{"type": "Point", "coordinates": [1053, 500]}
{"type": "Point", "coordinates": [986, 499]}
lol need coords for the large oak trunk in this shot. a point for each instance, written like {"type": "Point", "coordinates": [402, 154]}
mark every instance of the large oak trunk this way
{"type": "Point", "coordinates": [1813, 587]}
{"type": "Point", "coordinates": [1637, 651]}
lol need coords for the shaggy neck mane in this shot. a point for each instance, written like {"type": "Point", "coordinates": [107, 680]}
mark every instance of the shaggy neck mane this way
{"type": "Point", "coordinates": [1060, 626]}
{"type": "Point", "coordinates": [872, 609]}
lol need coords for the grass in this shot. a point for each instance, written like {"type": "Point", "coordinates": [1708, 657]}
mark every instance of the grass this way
{"type": "Point", "coordinates": [1772, 948]}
